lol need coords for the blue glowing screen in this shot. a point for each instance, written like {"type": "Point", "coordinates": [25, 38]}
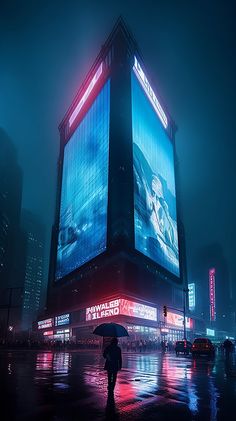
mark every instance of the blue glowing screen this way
{"type": "Point", "coordinates": [84, 194]}
{"type": "Point", "coordinates": [154, 184]}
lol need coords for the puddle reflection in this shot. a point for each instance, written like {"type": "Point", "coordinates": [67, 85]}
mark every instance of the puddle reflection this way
{"type": "Point", "coordinates": [184, 380]}
{"type": "Point", "coordinates": [61, 362]}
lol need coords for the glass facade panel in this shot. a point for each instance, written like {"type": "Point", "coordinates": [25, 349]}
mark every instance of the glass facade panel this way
{"type": "Point", "coordinates": [84, 194]}
{"type": "Point", "coordinates": [154, 184]}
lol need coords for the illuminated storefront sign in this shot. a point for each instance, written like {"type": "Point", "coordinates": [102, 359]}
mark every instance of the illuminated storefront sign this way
{"type": "Point", "coordinates": [63, 319]}
{"type": "Point", "coordinates": [123, 307]}
{"type": "Point", "coordinates": [86, 95]}
{"type": "Point", "coordinates": [44, 324]}
{"type": "Point", "coordinates": [141, 329]}
{"type": "Point", "coordinates": [212, 297]}
{"type": "Point", "coordinates": [48, 333]}
{"type": "Point", "coordinates": [149, 91]}
{"type": "Point", "coordinates": [164, 330]}
{"type": "Point", "coordinates": [210, 332]}
{"type": "Point", "coordinates": [178, 320]}
{"type": "Point", "coordinates": [62, 331]}
{"type": "Point", "coordinates": [191, 296]}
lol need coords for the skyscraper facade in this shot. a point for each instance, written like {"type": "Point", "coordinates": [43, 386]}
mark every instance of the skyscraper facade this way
{"type": "Point", "coordinates": [10, 208]}
{"type": "Point", "coordinates": [116, 252]}
{"type": "Point", "coordinates": [33, 271]}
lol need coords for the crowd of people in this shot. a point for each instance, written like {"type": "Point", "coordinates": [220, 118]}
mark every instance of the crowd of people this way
{"type": "Point", "coordinates": [127, 345]}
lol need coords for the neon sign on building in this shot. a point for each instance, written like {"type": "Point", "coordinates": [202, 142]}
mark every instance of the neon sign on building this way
{"type": "Point", "coordinates": [150, 93]}
{"type": "Point", "coordinates": [210, 332]}
{"type": "Point", "coordinates": [44, 324]}
{"type": "Point", "coordinates": [48, 333]}
{"type": "Point", "coordinates": [121, 306]}
{"type": "Point", "coordinates": [212, 297]}
{"type": "Point", "coordinates": [178, 320]}
{"type": "Point", "coordinates": [63, 319]}
{"type": "Point", "coordinates": [191, 296]}
{"type": "Point", "coordinates": [86, 95]}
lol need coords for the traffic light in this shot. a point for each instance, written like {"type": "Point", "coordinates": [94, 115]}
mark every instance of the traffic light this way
{"type": "Point", "coordinates": [164, 311]}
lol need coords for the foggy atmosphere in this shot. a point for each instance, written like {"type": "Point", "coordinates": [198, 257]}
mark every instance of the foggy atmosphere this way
{"type": "Point", "coordinates": [117, 209]}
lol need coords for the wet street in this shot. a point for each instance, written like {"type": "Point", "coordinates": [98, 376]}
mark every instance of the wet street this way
{"type": "Point", "coordinates": [61, 386]}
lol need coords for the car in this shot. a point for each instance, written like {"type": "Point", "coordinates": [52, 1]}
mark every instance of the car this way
{"type": "Point", "coordinates": [203, 346]}
{"type": "Point", "coordinates": [183, 346]}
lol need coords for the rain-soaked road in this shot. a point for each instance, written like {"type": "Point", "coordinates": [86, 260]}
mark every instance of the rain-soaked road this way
{"type": "Point", "coordinates": [61, 386]}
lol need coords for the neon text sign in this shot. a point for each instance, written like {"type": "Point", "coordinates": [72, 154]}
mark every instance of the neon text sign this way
{"type": "Point", "coordinates": [150, 93]}
{"type": "Point", "coordinates": [191, 296]}
{"type": "Point", "coordinates": [212, 297]}
{"type": "Point", "coordinates": [45, 324]}
{"type": "Point", "coordinates": [210, 332]}
{"type": "Point", "coordinates": [48, 333]}
{"type": "Point", "coordinates": [63, 319]}
{"type": "Point", "coordinates": [123, 307]}
{"type": "Point", "coordinates": [86, 95]}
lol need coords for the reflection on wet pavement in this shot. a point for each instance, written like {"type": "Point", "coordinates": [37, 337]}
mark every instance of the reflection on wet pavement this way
{"type": "Point", "coordinates": [73, 386]}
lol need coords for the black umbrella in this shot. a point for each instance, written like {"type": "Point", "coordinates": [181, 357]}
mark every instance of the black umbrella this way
{"type": "Point", "coordinates": [111, 330]}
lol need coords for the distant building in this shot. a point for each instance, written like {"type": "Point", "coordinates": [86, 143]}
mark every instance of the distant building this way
{"type": "Point", "coordinates": [33, 245]}
{"type": "Point", "coordinates": [10, 207]}
{"type": "Point", "coordinates": [210, 257]}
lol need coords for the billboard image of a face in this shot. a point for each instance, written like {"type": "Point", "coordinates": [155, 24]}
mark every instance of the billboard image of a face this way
{"type": "Point", "coordinates": [84, 194]}
{"type": "Point", "coordinates": [154, 184]}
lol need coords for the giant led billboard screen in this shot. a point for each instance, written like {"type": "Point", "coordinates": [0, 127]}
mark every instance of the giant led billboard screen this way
{"type": "Point", "coordinates": [154, 183]}
{"type": "Point", "coordinates": [84, 193]}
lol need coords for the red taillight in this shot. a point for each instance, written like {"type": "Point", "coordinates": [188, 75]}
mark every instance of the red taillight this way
{"type": "Point", "coordinates": [194, 346]}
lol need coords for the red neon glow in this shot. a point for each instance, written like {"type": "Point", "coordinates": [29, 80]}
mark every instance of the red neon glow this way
{"type": "Point", "coordinates": [121, 306]}
{"type": "Point", "coordinates": [212, 298]}
{"type": "Point", "coordinates": [48, 333]}
{"type": "Point", "coordinates": [86, 95]}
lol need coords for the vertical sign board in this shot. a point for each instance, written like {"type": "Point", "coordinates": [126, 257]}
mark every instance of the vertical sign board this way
{"type": "Point", "coordinates": [212, 297]}
{"type": "Point", "coordinates": [191, 296]}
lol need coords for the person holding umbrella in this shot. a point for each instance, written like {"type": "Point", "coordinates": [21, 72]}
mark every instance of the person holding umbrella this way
{"type": "Point", "coordinates": [113, 363]}
{"type": "Point", "coordinates": [112, 352]}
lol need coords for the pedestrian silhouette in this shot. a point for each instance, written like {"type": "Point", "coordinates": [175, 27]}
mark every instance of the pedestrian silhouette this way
{"type": "Point", "coordinates": [228, 347]}
{"type": "Point", "coordinates": [113, 363]}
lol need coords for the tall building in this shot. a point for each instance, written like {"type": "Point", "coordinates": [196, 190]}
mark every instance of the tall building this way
{"type": "Point", "coordinates": [116, 254]}
{"type": "Point", "coordinates": [33, 273]}
{"type": "Point", "coordinates": [10, 208]}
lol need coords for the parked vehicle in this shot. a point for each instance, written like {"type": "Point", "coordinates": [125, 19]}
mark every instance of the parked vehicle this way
{"type": "Point", "coordinates": [203, 346]}
{"type": "Point", "coordinates": [183, 346]}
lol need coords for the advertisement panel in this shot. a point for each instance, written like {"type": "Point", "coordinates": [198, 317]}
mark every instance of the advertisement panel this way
{"type": "Point", "coordinates": [121, 306]}
{"type": "Point", "coordinates": [132, 309]}
{"type": "Point", "coordinates": [63, 319]}
{"type": "Point", "coordinates": [210, 332]}
{"type": "Point", "coordinates": [155, 214]}
{"type": "Point", "coordinates": [83, 209]}
{"type": "Point", "coordinates": [178, 320]}
{"type": "Point", "coordinates": [191, 296]}
{"type": "Point", "coordinates": [44, 324]}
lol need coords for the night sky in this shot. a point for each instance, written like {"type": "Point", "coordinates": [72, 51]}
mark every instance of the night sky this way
{"type": "Point", "coordinates": [189, 48]}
